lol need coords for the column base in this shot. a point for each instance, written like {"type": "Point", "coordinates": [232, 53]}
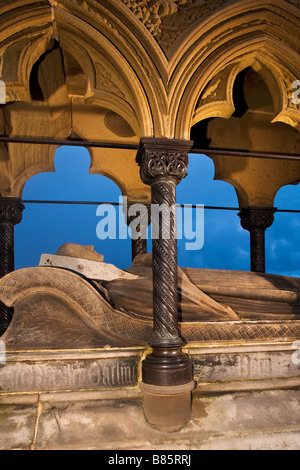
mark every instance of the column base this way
{"type": "Point", "coordinates": [167, 366]}
{"type": "Point", "coordinates": [168, 407]}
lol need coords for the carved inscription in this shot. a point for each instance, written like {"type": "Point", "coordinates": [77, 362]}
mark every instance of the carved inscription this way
{"type": "Point", "coordinates": [254, 367]}
{"type": "Point", "coordinates": [243, 367]}
{"type": "Point", "coordinates": [74, 375]}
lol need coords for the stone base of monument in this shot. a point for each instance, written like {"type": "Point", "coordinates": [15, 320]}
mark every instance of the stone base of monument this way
{"type": "Point", "coordinates": [217, 368]}
{"type": "Point", "coordinates": [71, 365]}
{"type": "Point", "coordinates": [167, 407]}
{"type": "Point", "coordinates": [247, 397]}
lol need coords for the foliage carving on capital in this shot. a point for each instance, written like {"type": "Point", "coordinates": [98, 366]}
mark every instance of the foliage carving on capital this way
{"type": "Point", "coordinates": [165, 165]}
{"type": "Point", "coordinates": [257, 218]}
{"type": "Point", "coordinates": [11, 210]}
{"type": "Point", "coordinates": [160, 160]}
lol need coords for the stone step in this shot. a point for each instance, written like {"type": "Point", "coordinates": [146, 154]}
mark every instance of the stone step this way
{"type": "Point", "coordinates": [246, 397]}
{"type": "Point", "coordinates": [261, 420]}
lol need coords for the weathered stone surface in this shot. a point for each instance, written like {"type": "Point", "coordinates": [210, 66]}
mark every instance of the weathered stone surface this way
{"type": "Point", "coordinates": [62, 371]}
{"type": "Point", "coordinates": [240, 365]}
{"type": "Point", "coordinates": [17, 426]}
{"type": "Point", "coordinates": [216, 368]}
{"type": "Point", "coordinates": [59, 309]}
{"type": "Point", "coordinates": [268, 420]}
{"type": "Point", "coordinates": [90, 269]}
{"type": "Point", "coordinates": [251, 295]}
{"type": "Point", "coordinates": [194, 304]}
{"type": "Point", "coordinates": [78, 251]}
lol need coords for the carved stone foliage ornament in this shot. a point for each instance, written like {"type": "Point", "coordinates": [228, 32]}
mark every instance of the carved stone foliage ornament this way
{"type": "Point", "coordinates": [11, 210]}
{"type": "Point", "coordinates": [167, 20]}
{"type": "Point", "coordinates": [164, 164]}
{"type": "Point", "coordinates": [254, 218]}
{"type": "Point", "coordinates": [160, 159]}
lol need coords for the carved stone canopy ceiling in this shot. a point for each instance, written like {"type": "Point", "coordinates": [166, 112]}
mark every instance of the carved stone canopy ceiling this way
{"type": "Point", "coordinates": [169, 20]}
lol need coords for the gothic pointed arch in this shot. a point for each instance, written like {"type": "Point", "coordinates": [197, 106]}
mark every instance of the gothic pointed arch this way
{"type": "Point", "coordinates": [257, 34]}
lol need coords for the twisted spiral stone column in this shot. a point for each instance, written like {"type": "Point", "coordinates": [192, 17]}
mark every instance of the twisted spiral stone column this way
{"type": "Point", "coordinates": [139, 245]}
{"type": "Point", "coordinates": [256, 220]}
{"type": "Point", "coordinates": [164, 252]}
{"type": "Point", "coordinates": [10, 215]}
{"type": "Point", "coordinates": [163, 163]}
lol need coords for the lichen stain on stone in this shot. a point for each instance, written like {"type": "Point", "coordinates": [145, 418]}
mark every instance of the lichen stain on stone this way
{"type": "Point", "coordinates": [199, 409]}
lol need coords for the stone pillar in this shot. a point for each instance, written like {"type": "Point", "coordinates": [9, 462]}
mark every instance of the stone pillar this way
{"type": "Point", "coordinates": [10, 215]}
{"type": "Point", "coordinates": [256, 220]}
{"type": "Point", "coordinates": [167, 378]}
{"type": "Point", "coordinates": [139, 244]}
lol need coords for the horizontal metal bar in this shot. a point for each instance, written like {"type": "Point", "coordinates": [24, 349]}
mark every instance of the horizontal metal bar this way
{"type": "Point", "coordinates": [98, 203]}
{"type": "Point", "coordinates": [92, 203]}
{"type": "Point", "coordinates": [245, 153]}
{"type": "Point", "coordinates": [191, 206]}
{"type": "Point", "coordinates": [123, 146]}
{"type": "Point", "coordinates": [68, 143]}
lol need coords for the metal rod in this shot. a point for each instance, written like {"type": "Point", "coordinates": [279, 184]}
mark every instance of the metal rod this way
{"type": "Point", "coordinates": [190, 206]}
{"type": "Point", "coordinates": [113, 145]}
{"type": "Point", "coordinates": [69, 143]}
{"type": "Point", "coordinates": [245, 153]}
{"type": "Point", "coordinates": [97, 203]}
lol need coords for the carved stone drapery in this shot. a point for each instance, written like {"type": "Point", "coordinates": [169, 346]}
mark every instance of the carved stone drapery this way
{"type": "Point", "coordinates": [256, 220]}
{"type": "Point", "coordinates": [10, 215]}
{"type": "Point", "coordinates": [163, 163]}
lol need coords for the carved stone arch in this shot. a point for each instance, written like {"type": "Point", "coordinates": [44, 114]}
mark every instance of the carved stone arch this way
{"type": "Point", "coordinates": [216, 99]}
{"type": "Point", "coordinates": [34, 170]}
{"type": "Point", "coordinates": [32, 28]}
{"type": "Point", "coordinates": [21, 61]}
{"type": "Point", "coordinates": [126, 87]}
{"type": "Point", "coordinates": [19, 181]}
{"type": "Point", "coordinates": [233, 33]}
{"type": "Point", "coordinates": [218, 79]}
{"type": "Point", "coordinates": [96, 28]}
{"type": "Point", "coordinates": [255, 180]}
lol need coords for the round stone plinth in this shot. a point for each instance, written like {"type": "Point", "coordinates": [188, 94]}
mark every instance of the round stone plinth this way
{"type": "Point", "coordinates": [168, 407]}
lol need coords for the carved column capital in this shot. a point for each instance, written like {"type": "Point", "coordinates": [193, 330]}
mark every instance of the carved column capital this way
{"type": "Point", "coordinates": [163, 159]}
{"type": "Point", "coordinates": [253, 218]}
{"type": "Point", "coordinates": [11, 210]}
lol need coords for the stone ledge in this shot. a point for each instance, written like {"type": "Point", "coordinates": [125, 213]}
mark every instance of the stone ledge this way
{"type": "Point", "coordinates": [265, 420]}
{"type": "Point", "coordinates": [217, 368]}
